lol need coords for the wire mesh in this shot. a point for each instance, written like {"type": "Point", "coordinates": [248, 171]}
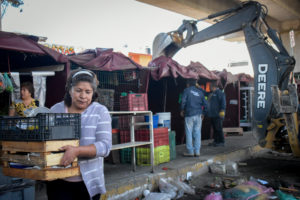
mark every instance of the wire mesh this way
{"type": "Point", "coordinates": [112, 84]}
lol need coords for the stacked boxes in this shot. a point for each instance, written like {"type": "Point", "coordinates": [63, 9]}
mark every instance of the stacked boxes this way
{"type": "Point", "coordinates": [134, 102]}
{"type": "Point", "coordinates": [161, 155]}
{"type": "Point", "coordinates": [161, 146]}
{"type": "Point", "coordinates": [160, 136]}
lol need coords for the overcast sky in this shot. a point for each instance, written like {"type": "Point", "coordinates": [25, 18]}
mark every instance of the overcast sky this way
{"type": "Point", "coordinates": [125, 25]}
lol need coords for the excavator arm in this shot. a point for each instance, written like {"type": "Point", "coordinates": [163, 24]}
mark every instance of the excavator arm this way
{"type": "Point", "coordinates": [272, 64]}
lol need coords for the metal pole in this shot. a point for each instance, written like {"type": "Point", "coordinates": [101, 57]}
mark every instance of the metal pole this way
{"type": "Point", "coordinates": [132, 139]}
{"type": "Point", "coordinates": [165, 93]}
{"type": "Point", "coordinates": [151, 140]}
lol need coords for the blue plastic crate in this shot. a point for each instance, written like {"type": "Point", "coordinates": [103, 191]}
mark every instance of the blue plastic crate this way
{"type": "Point", "coordinates": [155, 120]}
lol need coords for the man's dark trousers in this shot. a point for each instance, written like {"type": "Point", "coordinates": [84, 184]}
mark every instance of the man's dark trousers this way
{"type": "Point", "coordinates": [217, 124]}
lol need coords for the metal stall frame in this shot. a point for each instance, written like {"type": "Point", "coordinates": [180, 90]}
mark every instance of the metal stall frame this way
{"type": "Point", "coordinates": [132, 144]}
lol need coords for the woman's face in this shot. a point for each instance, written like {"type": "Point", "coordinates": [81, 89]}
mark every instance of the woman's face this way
{"type": "Point", "coordinates": [25, 94]}
{"type": "Point", "coordinates": [81, 95]}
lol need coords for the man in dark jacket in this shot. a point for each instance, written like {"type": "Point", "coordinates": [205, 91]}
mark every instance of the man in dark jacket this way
{"type": "Point", "coordinates": [216, 113]}
{"type": "Point", "coordinates": [193, 108]}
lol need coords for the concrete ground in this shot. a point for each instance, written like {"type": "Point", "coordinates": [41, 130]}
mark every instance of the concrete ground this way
{"type": "Point", "coordinates": [123, 183]}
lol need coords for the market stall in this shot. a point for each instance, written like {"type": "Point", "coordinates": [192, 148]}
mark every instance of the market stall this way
{"type": "Point", "coordinates": [168, 80]}
{"type": "Point", "coordinates": [24, 59]}
{"type": "Point", "coordinates": [116, 73]}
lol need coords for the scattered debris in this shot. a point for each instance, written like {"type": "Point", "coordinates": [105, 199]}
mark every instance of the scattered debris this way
{"type": "Point", "coordinates": [283, 196]}
{"type": "Point", "coordinates": [229, 168]}
{"type": "Point", "coordinates": [214, 196]}
{"type": "Point", "coordinates": [218, 168]}
{"type": "Point", "coordinates": [248, 190]}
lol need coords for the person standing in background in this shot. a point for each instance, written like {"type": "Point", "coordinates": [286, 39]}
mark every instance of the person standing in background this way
{"type": "Point", "coordinates": [216, 113]}
{"type": "Point", "coordinates": [193, 108]}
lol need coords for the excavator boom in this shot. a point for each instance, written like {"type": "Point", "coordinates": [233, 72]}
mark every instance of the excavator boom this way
{"type": "Point", "coordinates": [272, 66]}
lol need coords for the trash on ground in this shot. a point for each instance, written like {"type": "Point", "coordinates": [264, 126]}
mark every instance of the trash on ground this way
{"type": "Point", "coordinates": [218, 168]}
{"type": "Point", "coordinates": [182, 186]}
{"type": "Point", "coordinates": [289, 189]}
{"type": "Point", "coordinates": [174, 189]}
{"type": "Point", "coordinates": [242, 164]}
{"type": "Point", "coordinates": [231, 168]}
{"type": "Point", "coordinates": [155, 196]}
{"type": "Point", "coordinates": [248, 190]}
{"type": "Point", "coordinates": [166, 187]}
{"type": "Point", "coordinates": [214, 196]}
{"type": "Point", "coordinates": [262, 182]}
{"type": "Point", "coordinates": [283, 196]}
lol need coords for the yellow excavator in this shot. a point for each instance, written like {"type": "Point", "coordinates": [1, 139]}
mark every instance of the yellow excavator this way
{"type": "Point", "coordinates": [275, 96]}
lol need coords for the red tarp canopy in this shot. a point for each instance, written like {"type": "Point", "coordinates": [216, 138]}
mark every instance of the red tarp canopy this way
{"type": "Point", "coordinates": [202, 71]}
{"type": "Point", "coordinates": [245, 77]}
{"type": "Point", "coordinates": [165, 67]}
{"type": "Point", "coordinates": [104, 60]}
{"type": "Point", "coordinates": [10, 43]}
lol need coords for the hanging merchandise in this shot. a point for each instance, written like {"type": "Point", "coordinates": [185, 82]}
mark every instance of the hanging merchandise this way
{"type": "Point", "coordinates": [8, 83]}
{"type": "Point", "coordinates": [2, 83]}
{"type": "Point", "coordinates": [39, 84]}
{"type": "Point", "coordinates": [15, 79]}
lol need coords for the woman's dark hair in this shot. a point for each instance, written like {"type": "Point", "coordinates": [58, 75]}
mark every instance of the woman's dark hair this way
{"type": "Point", "coordinates": [29, 87]}
{"type": "Point", "coordinates": [80, 75]}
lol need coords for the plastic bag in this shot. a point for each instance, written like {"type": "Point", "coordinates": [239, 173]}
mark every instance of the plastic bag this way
{"type": "Point", "coordinates": [248, 190]}
{"type": "Point", "coordinates": [8, 83]}
{"type": "Point", "coordinates": [156, 196]}
{"type": "Point", "coordinates": [231, 168]}
{"type": "Point", "coordinates": [218, 168]}
{"type": "Point", "coordinates": [182, 186]}
{"type": "Point", "coordinates": [2, 83]}
{"type": "Point", "coordinates": [166, 187]}
{"type": "Point", "coordinates": [214, 196]}
{"type": "Point", "coordinates": [283, 196]}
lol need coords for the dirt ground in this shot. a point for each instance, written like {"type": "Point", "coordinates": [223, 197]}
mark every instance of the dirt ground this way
{"type": "Point", "coordinates": [277, 171]}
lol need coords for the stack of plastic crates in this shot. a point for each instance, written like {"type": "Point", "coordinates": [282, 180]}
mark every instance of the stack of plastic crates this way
{"type": "Point", "coordinates": [161, 146]}
{"type": "Point", "coordinates": [134, 102]}
{"type": "Point", "coordinates": [124, 126]}
{"type": "Point", "coordinates": [43, 127]}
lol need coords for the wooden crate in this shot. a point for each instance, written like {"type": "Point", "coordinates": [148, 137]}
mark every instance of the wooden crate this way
{"type": "Point", "coordinates": [233, 131]}
{"type": "Point", "coordinates": [44, 155]}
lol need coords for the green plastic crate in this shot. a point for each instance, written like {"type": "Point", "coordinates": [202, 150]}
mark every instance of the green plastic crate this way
{"type": "Point", "coordinates": [161, 155]}
{"type": "Point", "coordinates": [125, 155]}
{"type": "Point", "coordinates": [172, 144]}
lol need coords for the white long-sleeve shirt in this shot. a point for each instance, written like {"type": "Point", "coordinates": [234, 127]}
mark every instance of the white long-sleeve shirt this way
{"type": "Point", "coordinates": [95, 129]}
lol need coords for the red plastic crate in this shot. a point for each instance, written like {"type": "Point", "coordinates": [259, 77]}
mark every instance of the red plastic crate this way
{"type": "Point", "coordinates": [124, 121]}
{"type": "Point", "coordinates": [124, 136]}
{"type": "Point", "coordinates": [160, 136]}
{"type": "Point", "coordinates": [134, 102]}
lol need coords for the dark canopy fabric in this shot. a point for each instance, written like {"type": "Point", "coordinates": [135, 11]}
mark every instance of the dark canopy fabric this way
{"type": "Point", "coordinates": [202, 71]}
{"type": "Point", "coordinates": [104, 60]}
{"type": "Point", "coordinates": [165, 67]}
{"type": "Point", "coordinates": [225, 77]}
{"type": "Point", "coordinates": [11, 42]}
{"type": "Point", "coordinates": [245, 77]}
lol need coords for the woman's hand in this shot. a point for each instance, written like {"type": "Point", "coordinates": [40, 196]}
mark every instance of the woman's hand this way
{"type": "Point", "coordinates": [70, 154]}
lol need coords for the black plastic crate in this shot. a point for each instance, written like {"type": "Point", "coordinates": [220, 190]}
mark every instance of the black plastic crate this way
{"type": "Point", "coordinates": [43, 127]}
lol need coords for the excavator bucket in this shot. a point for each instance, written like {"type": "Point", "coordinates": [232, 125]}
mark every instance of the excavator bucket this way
{"type": "Point", "coordinates": [161, 44]}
